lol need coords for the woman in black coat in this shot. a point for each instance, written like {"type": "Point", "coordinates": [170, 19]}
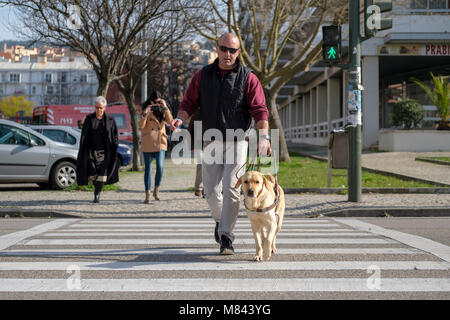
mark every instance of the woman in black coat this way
{"type": "Point", "coordinates": [97, 158]}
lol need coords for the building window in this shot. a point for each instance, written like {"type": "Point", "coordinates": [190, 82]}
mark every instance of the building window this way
{"type": "Point", "coordinates": [84, 78]}
{"type": "Point", "coordinates": [430, 4]}
{"type": "Point", "coordinates": [33, 90]}
{"type": "Point", "coordinates": [14, 77]}
{"type": "Point", "coordinates": [48, 77]}
{"type": "Point", "coordinates": [437, 4]}
{"type": "Point", "coordinates": [50, 90]}
{"type": "Point", "coordinates": [63, 77]}
{"type": "Point", "coordinates": [65, 100]}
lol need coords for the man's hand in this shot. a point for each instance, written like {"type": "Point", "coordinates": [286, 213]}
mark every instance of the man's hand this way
{"type": "Point", "coordinates": [175, 124]}
{"type": "Point", "coordinates": [178, 121]}
{"type": "Point", "coordinates": [264, 139]}
{"type": "Point", "coordinates": [264, 147]}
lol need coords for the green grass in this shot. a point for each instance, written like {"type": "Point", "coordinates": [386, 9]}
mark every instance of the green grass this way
{"type": "Point", "coordinates": [436, 160]}
{"type": "Point", "coordinates": [446, 159]}
{"type": "Point", "coordinates": [90, 187]}
{"type": "Point", "coordinates": [303, 172]}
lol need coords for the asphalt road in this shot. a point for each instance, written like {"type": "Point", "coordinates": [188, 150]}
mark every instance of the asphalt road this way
{"type": "Point", "coordinates": [177, 258]}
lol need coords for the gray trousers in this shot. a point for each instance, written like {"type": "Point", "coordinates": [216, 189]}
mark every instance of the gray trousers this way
{"type": "Point", "coordinates": [219, 179]}
{"type": "Point", "coordinates": [198, 177]}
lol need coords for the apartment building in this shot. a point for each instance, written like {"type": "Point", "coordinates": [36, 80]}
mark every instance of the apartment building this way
{"type": "Point", "coordinates": [49, 82]}
{"type": "Point", "coordinates": [417, 44]}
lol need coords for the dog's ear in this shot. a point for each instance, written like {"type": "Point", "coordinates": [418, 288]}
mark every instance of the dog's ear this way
{"type": "Point", "coordinates": [238, 183]}
{"type": "Point", "coordinates": [271, 178]}
{"type": "Point", "coordinates": [267, 183]}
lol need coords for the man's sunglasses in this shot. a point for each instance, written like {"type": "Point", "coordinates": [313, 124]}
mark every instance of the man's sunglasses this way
{"type": "Point", "coordinates": [231, 50]}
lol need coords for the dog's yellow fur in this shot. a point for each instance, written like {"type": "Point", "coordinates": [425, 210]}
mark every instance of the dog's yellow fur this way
{"type": "Point", "coordinates": [258, 194]}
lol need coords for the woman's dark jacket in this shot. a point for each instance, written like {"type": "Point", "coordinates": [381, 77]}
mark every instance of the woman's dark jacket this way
{"type": "Point", "coordinates": [112, 143]}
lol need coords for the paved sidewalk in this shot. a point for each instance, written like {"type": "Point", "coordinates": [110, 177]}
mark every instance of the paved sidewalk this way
{"type": "Point", "coordinates": [178, 201]}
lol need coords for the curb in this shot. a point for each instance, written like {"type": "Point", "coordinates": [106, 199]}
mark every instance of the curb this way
{"type": "Point", "coordinates": [375, 212]}
{"type": "Point", "coordinates": [368, 190]}
{"type": "Point", "coordinates": [391, 212]}
{"type": "Point", "coordinates": [445, 163]}
{"type": "Point", "coordinates": [21, 213]}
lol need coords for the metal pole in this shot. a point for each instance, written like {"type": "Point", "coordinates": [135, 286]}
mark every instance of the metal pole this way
{"type": "Point", "coordinates": [354, 105]}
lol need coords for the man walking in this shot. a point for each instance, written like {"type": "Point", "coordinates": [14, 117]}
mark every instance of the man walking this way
{"type": "Point", "coordinates": [228, 95]}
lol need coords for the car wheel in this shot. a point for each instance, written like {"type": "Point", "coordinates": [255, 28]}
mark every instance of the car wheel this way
{"type": "Point", "coordinates": [63, 175]}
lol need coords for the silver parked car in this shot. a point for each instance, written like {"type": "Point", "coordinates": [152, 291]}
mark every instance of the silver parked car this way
{"type": "Point", "coordinates": [28, 156]}
{"type": "Point", "coordinates": [72, 137]}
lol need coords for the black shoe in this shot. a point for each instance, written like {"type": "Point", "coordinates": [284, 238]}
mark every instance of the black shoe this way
{"type": "Point", "coordinates": [96, 198]}
{"type": "Point", "coordinates": [225, 246]}
{"type": "Point", "coordinates": [216, 233]}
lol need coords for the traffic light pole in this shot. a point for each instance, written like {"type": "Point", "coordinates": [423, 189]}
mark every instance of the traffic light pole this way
{"type": "Point", "coordinates": [373, 21]}
{"type": "Point", "coordinates": [354, 104]}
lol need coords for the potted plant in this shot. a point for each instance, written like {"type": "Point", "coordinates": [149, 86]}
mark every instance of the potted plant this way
{"type": "Point", "coordinates": [440, 96]}
{"type": "Point", "coordinates": [407, 113]}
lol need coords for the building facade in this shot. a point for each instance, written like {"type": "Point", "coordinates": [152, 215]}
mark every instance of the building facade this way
{"type": "Point", "coordinates": [417, 44]}
{"type": "Point", "coordinates": [49, 82]}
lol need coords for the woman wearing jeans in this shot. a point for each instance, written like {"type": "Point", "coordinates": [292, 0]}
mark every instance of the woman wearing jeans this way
{"type": "Point", "coordinates": [155, 114]}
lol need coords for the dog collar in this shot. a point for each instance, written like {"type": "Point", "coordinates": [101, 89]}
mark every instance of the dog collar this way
{"type": "Point", "coordinates": [273, 205]}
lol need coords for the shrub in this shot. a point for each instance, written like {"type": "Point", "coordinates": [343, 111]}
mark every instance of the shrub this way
{"type": "Point", "coordinates": [440, 94]}
{"type": "Point", "coordinates": [407, 113]}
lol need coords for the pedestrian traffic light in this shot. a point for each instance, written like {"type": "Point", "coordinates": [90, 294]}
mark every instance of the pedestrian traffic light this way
{"type": "Point", "coordinates": [372, 16]}
{"type": "Point", "coordinates": [331, 43]}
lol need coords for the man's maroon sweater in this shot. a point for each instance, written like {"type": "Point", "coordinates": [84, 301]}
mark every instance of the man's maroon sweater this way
{"type": "Point", "coordinates": [253, 91]}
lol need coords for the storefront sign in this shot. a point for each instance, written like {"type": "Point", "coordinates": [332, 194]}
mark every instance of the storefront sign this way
{"type": "Point", "coordinates": [427, 49]}
{"type": "Point", "coordinates": [437, 49]}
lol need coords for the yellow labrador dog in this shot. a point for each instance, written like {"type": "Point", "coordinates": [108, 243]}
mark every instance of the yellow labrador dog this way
{"type": "Point", "coordinates": [265, 214]}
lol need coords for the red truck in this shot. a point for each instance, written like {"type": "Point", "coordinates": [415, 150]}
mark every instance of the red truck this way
{"type": "Point", "coordinates": [73, 116]}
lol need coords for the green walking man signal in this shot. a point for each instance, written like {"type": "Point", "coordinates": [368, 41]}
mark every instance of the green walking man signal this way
{"type": "Point", "coordinates": [331, 44]}
{"type": "Point", "coordinates": [331, 53]}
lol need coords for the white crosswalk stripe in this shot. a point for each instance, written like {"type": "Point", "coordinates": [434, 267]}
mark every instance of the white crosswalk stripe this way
{"type": "Point", "coordinates": [226, 266]}
{"type": "Point", "coordinates": [306, 248]}
{"type": "Point", "coordinates": [232, 285]}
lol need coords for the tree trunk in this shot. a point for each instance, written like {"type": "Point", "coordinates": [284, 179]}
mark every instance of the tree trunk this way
{"type": "Point", "coordinates": [275, 123]}
{"type": "Point", "coordinates": [129, 97]}
{"type": "Point", "coordinates": [103, 85]}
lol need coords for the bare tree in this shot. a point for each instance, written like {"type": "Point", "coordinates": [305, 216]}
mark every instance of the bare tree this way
{"type": "Point", "coordinates": [104, 31]}
{"type": "Point", "coordinates": [278, 38]}
{"type": "Point", "coordinates": [109, 33]}
{"type": "Point", "coordinates": [159, 35]}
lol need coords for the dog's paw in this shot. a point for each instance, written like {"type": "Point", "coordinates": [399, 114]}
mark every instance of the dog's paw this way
{"type": "Point", "coordinates": [258, 257]}
{"type": "Point", "coordinates": [274, 249]}
{"type": "Point", "coordinates": [266, 257]}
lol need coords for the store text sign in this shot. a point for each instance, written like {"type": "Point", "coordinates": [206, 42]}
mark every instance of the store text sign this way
{"type": "Point", "coordinates": [437, 49]}
{"type": "Point", "coordinates": [427, 49]}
